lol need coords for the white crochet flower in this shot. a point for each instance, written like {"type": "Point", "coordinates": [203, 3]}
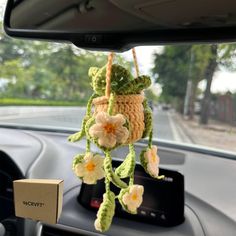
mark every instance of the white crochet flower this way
{"type": "Point", "coordinates": [90, 169]}
{"type": "Point", "coordinates": [133, 198]}
{"type": "Point", "coordinates": [152, 160]}
{"type": "Point", "coordinates": [109, 130]}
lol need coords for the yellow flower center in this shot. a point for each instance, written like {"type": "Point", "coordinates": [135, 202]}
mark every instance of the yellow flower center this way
{"type": "Point", "coordinates": [154, 157]}
{"type": "Point", "coordinates": [110, 128]}
{"type": "Point", "coordinates": [90, 166]}
{"type": "Point", "coordinates": [134, 197]}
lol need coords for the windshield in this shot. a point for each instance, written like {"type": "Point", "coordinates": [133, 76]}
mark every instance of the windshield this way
{"type": "Point", "coordinates": [192, 96]}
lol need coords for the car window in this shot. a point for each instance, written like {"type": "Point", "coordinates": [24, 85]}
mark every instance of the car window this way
{"type": "Point", "coordinates": [192, 96]}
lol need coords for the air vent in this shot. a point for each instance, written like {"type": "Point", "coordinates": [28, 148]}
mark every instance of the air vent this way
{"type": "Point", "coordinates": [60, 230]}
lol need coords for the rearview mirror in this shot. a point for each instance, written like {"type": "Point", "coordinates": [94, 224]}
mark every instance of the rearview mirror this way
{"type": "Point", "coordinates": [121, 24]}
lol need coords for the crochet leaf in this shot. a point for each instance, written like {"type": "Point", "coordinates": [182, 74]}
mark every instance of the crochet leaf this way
{"type": "Point", "coordinates": [114, 178]}
{"type": "Point", "coordinates": [77, 136]}
{"type": "Point", "coordinates": [119, 76]}
{"type": "Point", "coordinates": [127, 166]}
{"type": "Point", "coordinates": [92, 72]}
{"type": "Point", "coordinates": [106, 212]}
{"type": "Point", "coordinates": [135, 86]}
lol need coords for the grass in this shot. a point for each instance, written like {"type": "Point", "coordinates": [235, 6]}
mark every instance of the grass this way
{"type": "Point", "coordinates": [37, 102]}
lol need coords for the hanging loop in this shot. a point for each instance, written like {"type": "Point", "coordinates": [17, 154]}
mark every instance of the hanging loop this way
{"type": "Point", "coordinates": [108, 74]}
{"type": "Point", "coordinates": [109, 68]}
{"type": "Point", "coordinates": [135, 62]}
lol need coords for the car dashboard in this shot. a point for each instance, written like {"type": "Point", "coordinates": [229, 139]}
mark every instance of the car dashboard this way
{"type": "Point", "coordinates": [210, 193]}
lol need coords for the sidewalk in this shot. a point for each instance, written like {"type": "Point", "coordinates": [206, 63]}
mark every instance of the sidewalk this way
{"type": "Point", "coordinates": [215, 134]}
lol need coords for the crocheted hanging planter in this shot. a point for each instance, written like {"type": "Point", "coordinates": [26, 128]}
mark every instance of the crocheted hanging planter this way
{"type": "Point", "coordinates": [121, 117]}
{"type": "Point", "coordinates": [131, 106]}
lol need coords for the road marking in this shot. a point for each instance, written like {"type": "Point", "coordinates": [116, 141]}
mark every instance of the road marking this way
{"type": "Point", "coordinates": [183, 134]}
{"type": "Point", "coordinates": [174, 129]}
{"type": "Point", "coordinates": [178, 132]}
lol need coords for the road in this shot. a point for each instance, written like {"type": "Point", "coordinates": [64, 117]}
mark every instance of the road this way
{"type": "Point", "coordinates": [165, 125]}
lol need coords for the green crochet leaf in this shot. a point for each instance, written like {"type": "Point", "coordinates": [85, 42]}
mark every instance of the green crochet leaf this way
{"type": "Point", "coordinates": [135, 86]}
{"type": "Point", "coordinates": [114, 178]}
{"type": "Point", "coordinates": [127, 166]}
{"type": "Point", "coordinates": [119, 76]}
{"type": "Point", "coordinates": [106, 212]}
{"type": "Point", "coordinates": [79, 135]}
{"type": "Point", "coordinates": [143, 161]}
{"type": "Point", "coordinates": [76, 137]}
{"type": "Point", "coordinates": [92, 72]}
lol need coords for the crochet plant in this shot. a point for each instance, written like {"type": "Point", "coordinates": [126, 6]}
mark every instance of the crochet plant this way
{"type": "Point", "coordinates": [121, 117]}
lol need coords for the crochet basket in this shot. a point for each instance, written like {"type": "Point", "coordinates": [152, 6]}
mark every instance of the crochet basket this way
{"type": "Point", "coordinates": [131, 107]}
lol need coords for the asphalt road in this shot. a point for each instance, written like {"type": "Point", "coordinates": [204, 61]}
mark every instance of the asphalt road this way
{"type": "Point", "coordinates": [165, 126]}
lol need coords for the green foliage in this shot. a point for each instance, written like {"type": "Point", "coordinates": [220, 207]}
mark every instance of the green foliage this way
{"type": "Point", "coordinates": [51, 71]}
{"type": "Point", "coordinates": [122, 82]}
{"type": "Point", "coordinates": [171, 70]}
{"type": "Point", "coordinates": [175, 66]}
{"type": "Point", "coordinates": [150, 95]}
{"type": "Point", "coordinates": [119, 76]}
{"type": "Point", "coordinates": [227, 56]}
{"type": "Point", "coordinates": [135, 86]}
{"type": "Point", "coordinates": [38, 102]}
{"type": "Point", "coordinates": [178, 64]}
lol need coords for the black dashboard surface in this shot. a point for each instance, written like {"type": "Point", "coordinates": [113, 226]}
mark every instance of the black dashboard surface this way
{"type": "Point", "coordinates": [210, 198]}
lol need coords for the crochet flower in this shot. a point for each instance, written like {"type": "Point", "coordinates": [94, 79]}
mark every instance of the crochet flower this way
{"type": "Point", "coordinates": [109, 130]}
{"type": "Point", "coordinates": [132, 198]}
{"type": "Point", "coordinates": [90, 168]}
{"type": "Point", "coordinates": [152, 160]}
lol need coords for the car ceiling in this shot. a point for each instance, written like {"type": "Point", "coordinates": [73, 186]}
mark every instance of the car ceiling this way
{"type": "Point", "coordinates": [115, 15]}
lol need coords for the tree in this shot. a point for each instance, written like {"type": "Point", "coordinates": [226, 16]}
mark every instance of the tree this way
{"type": "Point", "coordinates": [200, 55]}
{"type": "Point", "coordinates": [175, 66]}
{"type": "Point", "coordinates": [36, 69]}
{"type": "Point", "coordinates": [171, 72]}
{"type": "Point", "coordinates": [178, 64]}
{"type": "Point", "coordinates": [209, 73]}
{"type": "Point", "coordinates": [221, 56]}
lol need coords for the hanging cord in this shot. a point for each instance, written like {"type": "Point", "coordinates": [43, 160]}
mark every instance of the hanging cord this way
{"type": "Point", "coordinates": [88, 145]}
{"type": "Point", "coordinates": [109, 68]}
{"type": "Point", "coordinates": [108, 74]}
{"type": "Point", "coordinates": [135, 62]}
{"type": "Point", "coordinates": [150, 138]}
